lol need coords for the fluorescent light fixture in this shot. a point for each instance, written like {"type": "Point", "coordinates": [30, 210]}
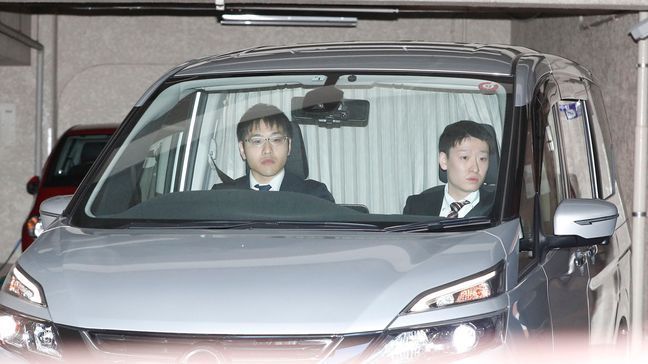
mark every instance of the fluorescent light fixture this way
{"type": "Point", "coordinates": [289, 20]}
{"type": "Point", "coordinates": [314, 9]}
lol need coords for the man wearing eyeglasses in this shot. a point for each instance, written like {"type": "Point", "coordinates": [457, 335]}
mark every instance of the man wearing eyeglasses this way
{"type": "Point", "coordinates": [264, 139]}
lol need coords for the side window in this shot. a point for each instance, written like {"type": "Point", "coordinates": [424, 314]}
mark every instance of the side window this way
{"type": "Point", "coordinates": [575, 150]}
{"type": "Point", "coordinates": [601, 143]}
{"type": "Point", "coordinates": [160, 167]}
{"type": "Point", "coordinates": [168, 166]}
{"type": "Point", "coordinates": [541, 173]}
{"type": "Point", "coordinates": [550, 178]}
{"type": "Point", "coordinates": [604, 175]}
{"type": "Point", "coordinates": [528, 189]}
{"type": "Point", "coordinates": [546, 175]}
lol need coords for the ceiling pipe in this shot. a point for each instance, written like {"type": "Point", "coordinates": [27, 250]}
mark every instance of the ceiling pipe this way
{"type": "Point", "coordinates": [639, 33]}
{"type": "Point", "coordinates": [40, 62]}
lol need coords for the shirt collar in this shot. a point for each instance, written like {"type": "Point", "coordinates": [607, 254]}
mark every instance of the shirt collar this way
{"type": "Point", "coordinates": [472, 197]}
{"type": "Point", "coordinates": [275, 182]}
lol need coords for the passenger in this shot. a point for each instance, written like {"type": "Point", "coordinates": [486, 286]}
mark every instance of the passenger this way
{"type": "Point", "coordinates": [464, 149]}
{"type": "Point", "coordinates": [264, 138]}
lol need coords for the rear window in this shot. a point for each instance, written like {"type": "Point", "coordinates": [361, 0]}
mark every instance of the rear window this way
{"type": "Point", "coordinates": [73, 159]}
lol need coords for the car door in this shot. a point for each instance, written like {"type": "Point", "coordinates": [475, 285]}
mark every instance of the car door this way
{"type": "Point", "coordinates": [585, 156]}
{"type": "Point", "coordinates": [568, 269]}
{"type": "Point", "coordinates": [562, 273]}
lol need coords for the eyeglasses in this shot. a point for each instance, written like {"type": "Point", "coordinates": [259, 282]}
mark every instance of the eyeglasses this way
{"type": "Point", "coordinates": [275, 140]}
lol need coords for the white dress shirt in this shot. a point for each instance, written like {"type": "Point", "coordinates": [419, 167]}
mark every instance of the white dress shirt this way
{"type": "Point", "coordinates": [275, 182]}
{"type": "Point", "coordinates": [472, 198]}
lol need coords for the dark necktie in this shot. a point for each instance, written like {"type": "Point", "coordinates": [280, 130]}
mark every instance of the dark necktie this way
{"type": "Point", "coordinates": [263, 188]}
{"type": "Point", "coordinates": [455, 207]}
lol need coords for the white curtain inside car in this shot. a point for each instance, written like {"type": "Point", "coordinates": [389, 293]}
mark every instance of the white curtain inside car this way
{"type": "Point", "coordinates": [378, 165]}
{"type": "Point", "coordinates": [396, 155]}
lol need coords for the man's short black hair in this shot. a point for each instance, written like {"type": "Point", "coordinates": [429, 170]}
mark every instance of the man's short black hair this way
{"type": "Point", "coordinates": [270, 115]}
{"type": "Point", "coordinates": [455, 133]}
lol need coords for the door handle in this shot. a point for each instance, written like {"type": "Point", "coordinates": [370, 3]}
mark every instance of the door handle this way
{"type": "Point", "coordinates": [580, 257]}
{"type": "Point", "coordinates": [591, 253]}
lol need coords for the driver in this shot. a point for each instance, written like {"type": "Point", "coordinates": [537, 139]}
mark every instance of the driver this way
{"type": "Point", "coordinates": [264, 139]}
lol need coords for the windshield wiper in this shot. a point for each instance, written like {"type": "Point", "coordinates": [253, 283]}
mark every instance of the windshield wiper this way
{"type": "Point", "coordinates": [333, 225]}
{"type": "Point", "coordinates": [224, 224]}
{"type": "Point", "coordinates": [229, 224]}
{"type": "Point", "coordinates": [440, 225]}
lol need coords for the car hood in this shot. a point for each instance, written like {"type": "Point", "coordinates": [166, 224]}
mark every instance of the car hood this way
{"type": "Point", "coordinates": [246, 282]}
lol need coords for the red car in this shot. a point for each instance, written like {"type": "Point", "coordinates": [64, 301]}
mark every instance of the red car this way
{"type": "Point", "coordinates": [64, 169]}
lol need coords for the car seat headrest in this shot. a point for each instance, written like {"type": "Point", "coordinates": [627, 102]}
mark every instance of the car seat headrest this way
{"type": "Point", "coordinates": [297, 163]}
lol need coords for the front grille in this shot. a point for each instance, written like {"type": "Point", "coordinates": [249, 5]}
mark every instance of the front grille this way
{"type": "Point", "coordinates": [140, 348]}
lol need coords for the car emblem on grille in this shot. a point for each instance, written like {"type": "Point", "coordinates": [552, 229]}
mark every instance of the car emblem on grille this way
{"type": "Point", "coordinates": [203, 355]}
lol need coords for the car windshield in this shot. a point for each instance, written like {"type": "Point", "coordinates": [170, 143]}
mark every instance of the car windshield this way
{"type": "Point", "coordinates": [359, 146]}
{"type": "Point", "coordinates": [74, 159]}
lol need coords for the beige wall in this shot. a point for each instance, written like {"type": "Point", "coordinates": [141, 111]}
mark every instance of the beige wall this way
{"type": "Point", "coordinates": [17, 106]}
{"type": "Point", "coordinates": [97, 67]}
{"type": "Point", "coordinates": [16, 152]}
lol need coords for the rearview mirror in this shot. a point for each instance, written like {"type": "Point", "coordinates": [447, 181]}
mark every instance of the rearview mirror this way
{"type": "Point", "coordinates": [326, 106]}
{"type": "Point", "coordinates": [32, 185]}
{"type": "Point", "coordinates": [582, 222]}
{"type": "Point", "coordinates": [52, 208]}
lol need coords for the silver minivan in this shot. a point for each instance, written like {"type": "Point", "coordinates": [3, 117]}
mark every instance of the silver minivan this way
{"type": "Point", "coordinates": [170, 252]}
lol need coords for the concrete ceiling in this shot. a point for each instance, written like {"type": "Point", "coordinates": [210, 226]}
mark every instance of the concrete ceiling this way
{"type": "Point", "coordinates": [360, 6]}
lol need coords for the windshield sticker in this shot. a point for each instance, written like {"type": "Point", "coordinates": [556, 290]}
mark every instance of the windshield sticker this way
{"type": "Point", "coordinates": [571, 110]}
{"type": "Point", "coordinates": [488, 88]}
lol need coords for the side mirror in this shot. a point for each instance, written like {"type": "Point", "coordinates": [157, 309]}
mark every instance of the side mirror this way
{"type": "Point", "coordinates": [32, 185]}
{"type": "Point", "coordinates": [52, 208]}
{"type": "Point", "coordinates": [582, 222]}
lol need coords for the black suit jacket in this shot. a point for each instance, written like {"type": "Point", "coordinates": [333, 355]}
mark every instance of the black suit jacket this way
{"type": "Point", "coordinates": [429, 202]}
{"type": "Point", "coordinates": [291, 183]}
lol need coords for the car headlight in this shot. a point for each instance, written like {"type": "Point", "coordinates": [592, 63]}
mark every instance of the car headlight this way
{"type": "Point", "coordinates": [23, 334]}
{"type": "Point", "coordinates": [477, 287]}
{"type": "Point", "coordinates": [436, 342]}
{"type": "Point", "coordinates": [19, 284]}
